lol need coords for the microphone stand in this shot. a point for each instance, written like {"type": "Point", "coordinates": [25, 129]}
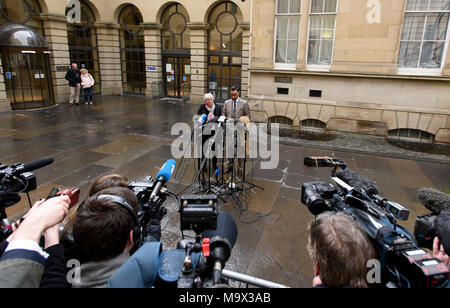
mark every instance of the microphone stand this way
{"type": "Point", "coordinates": [229, 187]}
{"type": "Point", "coordinates": [201, 186]}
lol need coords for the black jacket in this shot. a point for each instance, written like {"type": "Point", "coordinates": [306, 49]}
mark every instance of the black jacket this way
{"type": "Point", "coordinates": [73, 77]}
{"type": "Point", "coordinates": [217, 111]}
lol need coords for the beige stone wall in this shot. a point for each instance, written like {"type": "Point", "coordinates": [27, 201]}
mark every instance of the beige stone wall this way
{"type": "Point", "coordinates": [109, 58]}
{"type": "Point", "coordinates": [55, 28]}
{"type": "Point", "coordinates": [199, 60]}
{"type": "Point", "coordinates": [362, 92]}
{"type": "Point", "coordinates": [4, 102]}
{"type": "Point", "coordinates": [152, 38]}
{"type": "Point", "coordinates": [355, 104]}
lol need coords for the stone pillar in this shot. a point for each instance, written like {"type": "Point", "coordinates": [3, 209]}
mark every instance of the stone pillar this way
{"type": "Point", "coordinates": [199, 61]}
{"type": "Point", "coordinates": [153, 60]}
{"type": "Point", "coordinates": [5, 104]}
{"type": "Point", "coordinates": [109, 58]}
{"type": "Point", "coordinates": [55, 28]}
{"type": "Point", "coordinates": [245, 59]}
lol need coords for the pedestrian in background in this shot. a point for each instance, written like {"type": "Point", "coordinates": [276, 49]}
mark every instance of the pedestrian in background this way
{"type": "Point", "coordinates": [87, 82]}
{"type": "Point", "coordinates": [73, 76]}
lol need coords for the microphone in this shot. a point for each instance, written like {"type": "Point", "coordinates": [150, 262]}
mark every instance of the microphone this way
{"type": "Point", "coordinates": [323, 162]}
{"type": "Point", "coordinates": [163, 177]}
{"type": "Point", "coordinates": [220, 242]}
{"type": "Point", "coordinates": [354, 179]}
{"type": "Point", "coordinates": [442, 227]}
{"type": "Point", "coordinates": [29, 167]}
{"type": "Point", "coordinates": [222, 120]}
{"type": "Point", "coordinates": [434, 200]}
{"type": "Point", "coordinates": [202, 119]}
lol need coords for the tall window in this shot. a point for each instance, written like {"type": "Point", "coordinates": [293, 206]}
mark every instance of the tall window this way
{"type": "Point", "coordinates": [287, 29]}
{"type": "Point", "coordinates": [322, 28]}
{"type": "Point", "coordinates": [424, 36]}
{"type": "Point", "coordinates": [224, 50]}
{"type": "Point", "coordinates": [83, 47]}
{"type": "Point", "coordinates": [175, 33]}
{"type": "Point", "coordinates": [132, 50]}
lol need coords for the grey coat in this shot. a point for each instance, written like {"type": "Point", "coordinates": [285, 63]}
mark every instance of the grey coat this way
{"type": "Point", "coordinates": [242, 109]}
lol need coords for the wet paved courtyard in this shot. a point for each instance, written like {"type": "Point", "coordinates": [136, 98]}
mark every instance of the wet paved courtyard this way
{"type": "Point", "coordinates": [132, 136]}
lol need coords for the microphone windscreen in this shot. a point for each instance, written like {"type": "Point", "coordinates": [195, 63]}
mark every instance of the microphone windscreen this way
{"type": "Point", "coordinates": [167, 170]}
{"type": "Point", "coordinates": [226, 227]}
{"type": "Point", "coordinates": [354, 179]}
{"type": "Point", "coordinates": [434, 200]}
{"type": "Point", "coordinates": [37, 164]}
{"type": "Point", "coordinates": [442, 227]}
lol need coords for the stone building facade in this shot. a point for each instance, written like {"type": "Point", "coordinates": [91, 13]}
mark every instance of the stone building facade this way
{"type": "Point", "coordinates": [133, 47]}
{"type": "Point", "coordinates": [377, 67]}
{"type": "Point", "coordinates": [371, 74]}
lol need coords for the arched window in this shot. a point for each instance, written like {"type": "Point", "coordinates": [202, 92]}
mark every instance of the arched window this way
{"type": "Point", "coordinates": [176, 53]}
{"type": "Point", "coordinates": [175, 34]}
{"type": "Point", "coordinates": [225, 49]}
{"type": "Point", "coordinates": [284, 122]}
{"type": "Point", "coordinates": [22, 11]}
{"type": "Point", "coordinates": [132, 51]}
{"type": "Point", "coordinates": [313, 125]}
{"type": "Point", "coordinates": [83, 48]}
{"type": "Point", "coordinates": [413, 135]}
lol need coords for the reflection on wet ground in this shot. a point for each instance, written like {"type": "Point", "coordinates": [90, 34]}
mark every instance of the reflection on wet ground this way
{"type": "Point", "coordinates": [132, 136]}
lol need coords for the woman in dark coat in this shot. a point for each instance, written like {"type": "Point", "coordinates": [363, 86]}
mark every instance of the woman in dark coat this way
{"type": "Point", "coordinates": [212, 112]}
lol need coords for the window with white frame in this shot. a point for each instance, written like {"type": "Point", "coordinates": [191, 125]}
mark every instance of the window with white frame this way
{"type": "Point", "coordinates": [424, 37]}
{"type": "Point", "coordinates": [322, 28]}
{"type": "Point", "coordinates": [287, 30]}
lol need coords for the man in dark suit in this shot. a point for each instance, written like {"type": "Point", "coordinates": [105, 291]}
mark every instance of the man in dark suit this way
{"type": "Point", "coordinates": [236, 108]}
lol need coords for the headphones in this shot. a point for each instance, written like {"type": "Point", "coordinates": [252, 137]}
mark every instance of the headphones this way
{"type": "Point", "coordinates": [137, 230]}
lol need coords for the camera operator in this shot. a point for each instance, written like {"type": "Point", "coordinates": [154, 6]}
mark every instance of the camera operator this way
{"type": "Point", "coordinates": [340, 251]}
{"type": "Point", "coordinates": [441, 243]}
{"type": "Point", "coordinates": [23, 262]}
{"type": "Point", "coordinates": [104, 233]}
{"type": "Point", "coordinates": [153, 229]}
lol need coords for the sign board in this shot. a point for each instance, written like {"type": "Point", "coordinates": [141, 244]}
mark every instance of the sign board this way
{"type": "Point", "coordinates": [62, 68]}
{"type": "Point", "coordinates": [151, 69]}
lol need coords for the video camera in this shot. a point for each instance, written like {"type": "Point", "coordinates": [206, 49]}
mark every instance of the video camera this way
{"type": "Point", "coordinates": [151, 194]}
{"type": "Point", "coordinates": [403, 263]}
{"type": "Point", "coordinates": [18, 179]}
{"type": "Point", "coordinates": [437, 223]}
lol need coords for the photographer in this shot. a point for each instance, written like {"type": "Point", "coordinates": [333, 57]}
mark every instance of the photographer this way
{"type": "Point", "coordinates": [103, 231]}
{"type": "Point", "coordinates": [23, 261]}
{"type": "Point", "coordinates": [340, 251]}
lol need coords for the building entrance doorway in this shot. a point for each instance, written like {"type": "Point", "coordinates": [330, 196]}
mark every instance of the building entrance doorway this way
{"type": "Point", "coordinates": [27, 79]}
{"type": "Point", "coordinates": [177, 76]}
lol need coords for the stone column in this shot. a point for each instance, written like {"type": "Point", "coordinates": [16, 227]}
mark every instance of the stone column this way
{"type": "Point", "coordinates": [199, 61]}
{"type": "Point", "coordinates": [5, 104]}
{"type": "Point", "coordinates": [109, 58]}
{"type": "Point", "coordinates": [55, 28]}
{"type": "Point", "coordinates": [153, 60]}
{"type": "Point", "coordinates": [245, 27]}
